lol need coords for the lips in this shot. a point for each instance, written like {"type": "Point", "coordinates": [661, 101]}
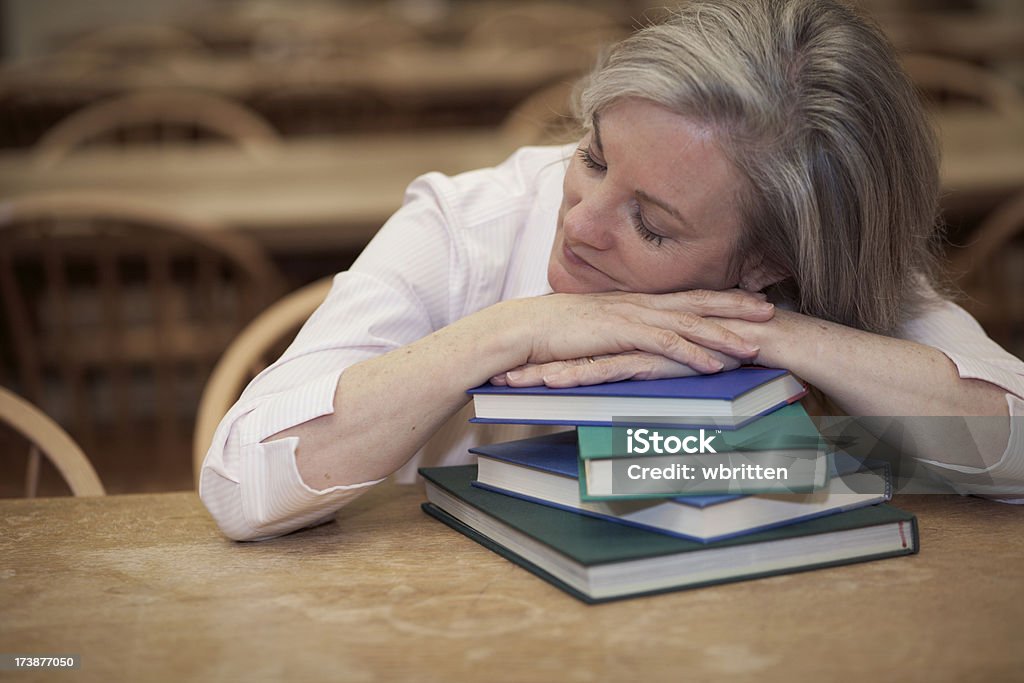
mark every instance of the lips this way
{"type": "Point", "coordinates": [573, 258]}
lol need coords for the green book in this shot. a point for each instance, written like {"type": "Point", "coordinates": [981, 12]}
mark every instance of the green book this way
{"type": "Point", "coordinates": [781, 452]}
{"type": "Point", "coordinates": [597, 560]}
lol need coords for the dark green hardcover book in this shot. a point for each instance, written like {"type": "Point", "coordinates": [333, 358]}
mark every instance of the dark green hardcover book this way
{"type": "Point", "coordinates": [596, 560]}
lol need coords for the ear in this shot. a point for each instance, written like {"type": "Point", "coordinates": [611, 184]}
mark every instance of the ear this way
{"type": "Point", "coordinates": [758, 273]}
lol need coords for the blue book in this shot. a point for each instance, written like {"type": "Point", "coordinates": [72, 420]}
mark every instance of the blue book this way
{"type": "Point", "coordinates": [545, 470]}
{"type": "Point", "coordinates": [725, 400]}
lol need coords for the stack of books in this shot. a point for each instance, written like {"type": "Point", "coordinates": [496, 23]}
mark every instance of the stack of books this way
{"type": "Point", "coordinates": [667, 484]}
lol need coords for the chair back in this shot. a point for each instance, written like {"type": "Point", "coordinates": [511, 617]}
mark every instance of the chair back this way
{"type": "Point", "coordinates": [943, 79]}
{"type": "Point", "coordinates": [114, 312]}
{"type": "Point", "coordinates": [991, 273]}
{"type": "Point", "coordinates": [544, 118]}
{"type": "Point", "coordinates": [179, 117]}
{"type": "Point", "coordinates": [135, 42]}
{"type": "Point", "coordinates": [46, 438]}
{"type": "Point", "coordinates": [263, 340]}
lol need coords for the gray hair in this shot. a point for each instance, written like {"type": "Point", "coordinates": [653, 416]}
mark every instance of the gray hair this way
{"type": "Point", "coordinates": [807, 99]}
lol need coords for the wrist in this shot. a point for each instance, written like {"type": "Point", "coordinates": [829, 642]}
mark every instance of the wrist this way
{"type": "Point", "coordinates": [784, 341]}
{"type": "Point", "coordinates": [490, 341]}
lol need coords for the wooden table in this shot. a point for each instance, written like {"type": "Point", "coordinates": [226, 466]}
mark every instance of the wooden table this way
{"type": "Point", "coordinates": [145, 588]}
{"type": "Point", "coordinates": [402, 71]}
{"type": "Point", "coordinates": [410, 85]}
{"type": "Point", "coordinates": [320, 192]}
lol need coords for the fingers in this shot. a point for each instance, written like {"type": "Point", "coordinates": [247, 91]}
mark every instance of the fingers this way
{"type": "Point", "coordinates": [703, 333]}
{"type": "Point", "coordinates": [610, 368]}
{"type": "Point", "coordinates": [576, 326]}
{"type": "Point", "coordinates": [532, 375]}
{"type": "Point", "coordinates": [730, 303]}
{"type": "Point", "coordinates": [621, 367]}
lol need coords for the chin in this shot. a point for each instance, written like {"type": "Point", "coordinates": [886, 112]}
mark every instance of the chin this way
{"type": "Point", "coordinates": [563, 283]}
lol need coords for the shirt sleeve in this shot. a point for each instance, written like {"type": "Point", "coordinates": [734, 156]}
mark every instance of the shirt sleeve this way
{"type": "Point", "coordinates": [405, 285]}
{"type": "Point", "coordinates": [950, 329]}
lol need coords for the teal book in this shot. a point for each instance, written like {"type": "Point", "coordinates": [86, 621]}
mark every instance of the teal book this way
{"type": "Point", "coordinates": [597, 560]}
{"type": "Point", "coordinates": [782, 452]}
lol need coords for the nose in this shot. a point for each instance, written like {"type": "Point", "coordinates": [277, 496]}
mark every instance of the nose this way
{"type": "Point", "coordinates": [589, 221]}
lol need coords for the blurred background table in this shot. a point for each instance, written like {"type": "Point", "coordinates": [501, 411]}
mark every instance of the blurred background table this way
{"type": "Point", "coordinates": [144, 587]}
{"type": "Point", "coordinates": [309, 193]}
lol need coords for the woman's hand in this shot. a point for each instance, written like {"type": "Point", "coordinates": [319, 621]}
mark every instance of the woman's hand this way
{"type": "Point", "coordinates": [598, 370]}
{"type": "Point", "coordinates": [593, 338]}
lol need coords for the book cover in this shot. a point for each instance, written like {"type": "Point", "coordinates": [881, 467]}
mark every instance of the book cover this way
{"type": "Point", "coordinates": [726, 400]}
{"type": "Point", "coordinates": [545, 470]}
{"type": "Point", "coordinates": [597, 560]}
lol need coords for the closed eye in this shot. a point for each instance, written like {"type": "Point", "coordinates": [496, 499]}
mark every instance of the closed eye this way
{"type": "Point", "coordinates": [588, 159]}
{"type": "Point", "coordinates": [645, 233]}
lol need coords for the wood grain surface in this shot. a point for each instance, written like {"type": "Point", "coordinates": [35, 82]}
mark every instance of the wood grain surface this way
{"type": "Point", "coordinates": [145, 588]}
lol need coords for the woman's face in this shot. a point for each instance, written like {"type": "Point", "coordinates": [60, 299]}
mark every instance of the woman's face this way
{"type": "Point", "coordinates": [649, 205]}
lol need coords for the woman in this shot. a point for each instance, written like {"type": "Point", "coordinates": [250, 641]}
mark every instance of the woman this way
{"type": "Point", "coordinates": [743, 148]}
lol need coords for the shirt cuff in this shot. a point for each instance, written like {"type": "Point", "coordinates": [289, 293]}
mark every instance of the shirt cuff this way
{"type": "Point", "coordinates": [1004, 478]}
{"type": "Point", "coordinates": [274, 498]}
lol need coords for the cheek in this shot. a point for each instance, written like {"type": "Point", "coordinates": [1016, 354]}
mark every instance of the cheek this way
{"type": "Point", "coordinates": [572, 194]}
{"type": "Point", "coordinates": [572, 187]}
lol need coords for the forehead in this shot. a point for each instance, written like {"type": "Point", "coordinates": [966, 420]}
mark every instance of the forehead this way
{"type": "Point", "coordinates": [669, 156]}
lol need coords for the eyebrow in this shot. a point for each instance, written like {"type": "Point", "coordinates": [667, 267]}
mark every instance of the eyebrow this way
{"type": "Point", "coordinates": [640, 194]}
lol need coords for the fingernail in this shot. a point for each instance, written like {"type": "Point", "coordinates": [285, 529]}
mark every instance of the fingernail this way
{"type": "Point", "coordinates": [514, 375]}
{"type": "Point", "coordinates": [717, 365]}
{"type": "Point", "coordinates": [767, 305]}
{"type": "Point", "coordinates": [753, 350]}
{"type": "Point", "coordinates": [760, 295]}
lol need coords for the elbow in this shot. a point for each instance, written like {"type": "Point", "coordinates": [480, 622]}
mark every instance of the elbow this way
{"type": "Point", "coordinates": [266, 497]}
{"type": "Point", "coordinates": [223, 500]}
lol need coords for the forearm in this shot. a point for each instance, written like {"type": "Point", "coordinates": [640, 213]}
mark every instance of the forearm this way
{"type": "Point", "coordinates": [386, 408]}
{"type": "Point", "coordinates": [871, 375]}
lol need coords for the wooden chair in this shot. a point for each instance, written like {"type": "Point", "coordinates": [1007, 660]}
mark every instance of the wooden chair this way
{"type": "Point", "coordinates": [47, 438]}
{"type": "Point", "coordinates": [114, 312]}
{"type": "Point", "coordinates": [300, 109]}
{"type": "Point", "coordinates": [544, 118]}
{"type": "Point", "coordinates": [254, 348]}
{"type": "Point", "coordinates": [944, 78]}
{"type": "Point", "coordinates": [542, 23]}
{"type": "Point", "coordinates": [157, 117]}
{"type": "Point", "coordinates": [991, 273]}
